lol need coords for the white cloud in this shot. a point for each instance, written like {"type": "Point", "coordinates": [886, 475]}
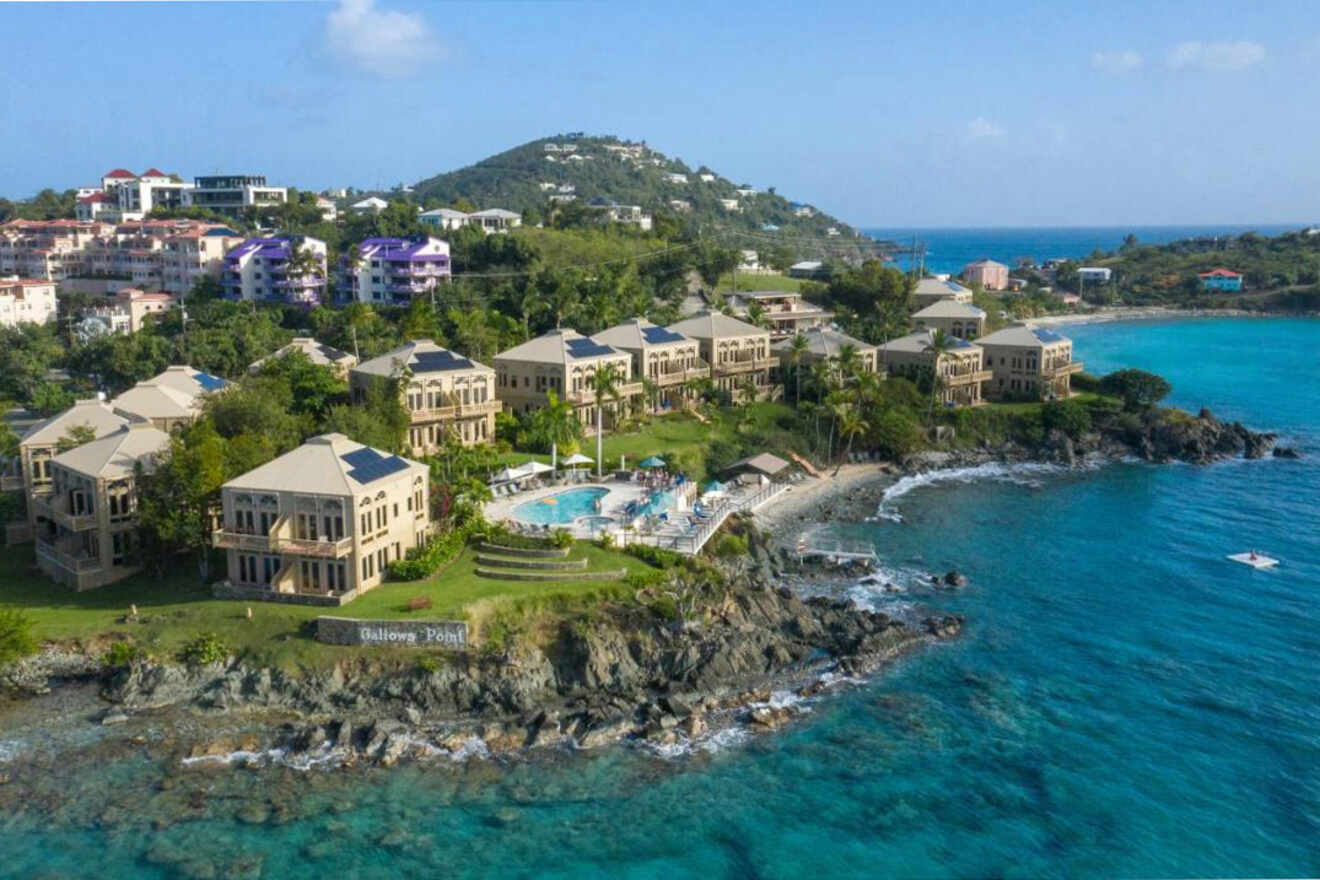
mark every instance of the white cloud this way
{"type": "Point", "coordinates": [380, 41]}
{"type": "Point", "coordinates": [980, 127]}
{"type": "Point", "coordinates": [1118, 61]}
{"type": "Point", "coordinates": [1230, 56]}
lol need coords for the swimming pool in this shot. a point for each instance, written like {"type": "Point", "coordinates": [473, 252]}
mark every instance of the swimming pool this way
{"type": "Point", "coordinates": [561, 508]}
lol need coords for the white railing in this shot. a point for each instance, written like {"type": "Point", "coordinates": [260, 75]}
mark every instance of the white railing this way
{"type": "Point", "coordinates": [692, 542]}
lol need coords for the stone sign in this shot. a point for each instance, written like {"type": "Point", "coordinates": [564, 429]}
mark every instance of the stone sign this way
{"type": "Point", "coordinates": [407, 633]}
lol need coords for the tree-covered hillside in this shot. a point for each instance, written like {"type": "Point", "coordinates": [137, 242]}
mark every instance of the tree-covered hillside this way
{"type": "Point", "coordinates": [525, 178]}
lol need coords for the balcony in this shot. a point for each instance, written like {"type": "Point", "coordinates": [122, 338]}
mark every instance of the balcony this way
{"type": "Point", "coordinates": [233, 539]}
{"type": "Point", "coordinates": [66, 558]}
{"type": "Point", "coordinates": [971, 377]}
{"type": "Point", "coordinates": [454, 410]}
{"type": "Point", "coordinates": [47, 506]}
{"type": "Point", "coordinates": [1058, 371]}
{"type": "Point", "coordinates": [675, 374]}
{"type": "Point", "coordinates": [738, 365]}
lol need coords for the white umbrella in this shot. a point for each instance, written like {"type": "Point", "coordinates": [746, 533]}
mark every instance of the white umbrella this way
{"type": "Point", "coordinates": [505, 476]}
{"type": "Point", "coordinates": [577, 458]}
{"type": "Point", "coordinates": [532, 468]}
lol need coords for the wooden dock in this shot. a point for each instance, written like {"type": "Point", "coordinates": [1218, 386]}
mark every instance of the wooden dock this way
{"type": "Point", "coordinates": [834, 549]}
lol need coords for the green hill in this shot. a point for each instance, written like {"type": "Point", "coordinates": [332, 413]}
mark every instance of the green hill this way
{"type": "Point", "coordinates": [631, 173]}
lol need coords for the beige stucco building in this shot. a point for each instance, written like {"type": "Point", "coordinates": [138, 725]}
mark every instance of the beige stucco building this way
{"type": "Point", "coordinates": [1029, 362]}
{"type": "Point", "coordinates": [824, 346]}
{"type": "Point", "coordinates": [317, 352]}
{"type": "Point", "coordinates": [321, 521]}
{"type": "Point", "coordinates": [933, 290]}
{"type": "Point", "coordinates": [86, 524]}
{"type": "Point", "coordinates": [961, 369]}
{"type": "Point", "coordinates": [784, 314]}
{"type": "Point", "coordinates": [987, 273]}
{"type": "Point", "coordinates": [563, 361]}
{"type": "Point", "coordinates": [955, 318]}
{"type": "Point", "coordinates": [660, 356]}
{"type": "Point", "coordinates": [446, 394]}
{"type": "Point", "coordinates": [736, 351]}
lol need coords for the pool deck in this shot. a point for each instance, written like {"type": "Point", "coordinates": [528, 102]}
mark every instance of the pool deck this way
{"type": "Point", "coordinates": [620, 495]}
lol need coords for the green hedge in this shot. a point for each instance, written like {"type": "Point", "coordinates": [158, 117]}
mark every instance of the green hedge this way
{"type": "Point", "coordinates": [422, 562]}
{"type": "Point", "coordinates": [656, 556]}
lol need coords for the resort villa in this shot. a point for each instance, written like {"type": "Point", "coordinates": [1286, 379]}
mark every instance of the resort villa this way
{"type": "Point", "coordinates": [960, 369]}
{"type": "Point", "coordinates": [86, 526]}
{"type": "Point", "coordinates": [231, 193]}
{"type": "Point", "coordinates": [666, 359]}
{"type": "Point", "coordinates": [738, 353]}
{"type": "Point", "coordinates": [26, 301]}
{"type": "Point", "coordinates": [127, 311]}
{"type": "Point", "coordinates": [932, 290]}
{"type": "Point", "coordinates": [1029, 362]}
{"type": "Point", "coordinates": [563, 361]}
{"type": "Point", "coordinates": [447, 396]}
{"type": "Point", "coordinates": [786, 314]}
{"type": "Point", "coordinates": [824, 346]}
{"type": "Point", "coordinates": [488, 221]}
{"type": "Point", "coordinates": [956, 318]}
{"type": "Point", "coordinates": [317, 352]}
{"type": "Point", "coordinates": [1221, 279]}
{"type": "Point", "coordinates": [393, 270]}
{"type": "Point", "coordinates": [987, 273]}
{"type": "Point", "coordinates": [321, 522]}
{"type": "Point", "coordinates": [172, 399]}
{"type": "Point", "coordinates": [259, 269]}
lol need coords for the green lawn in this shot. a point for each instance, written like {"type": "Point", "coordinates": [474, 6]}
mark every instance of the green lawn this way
{"type": "Point", "coordinates": [679, 436]}
{"type": "Point", "coordinates": [748, 281]}
{"type": "Point", "coordinates": [177, 607]}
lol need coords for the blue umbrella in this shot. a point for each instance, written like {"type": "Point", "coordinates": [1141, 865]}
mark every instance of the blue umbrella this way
{"type": "Point", "coordinates": [714, 486]}
{"type": "Point", "coordinates": [653, 462]}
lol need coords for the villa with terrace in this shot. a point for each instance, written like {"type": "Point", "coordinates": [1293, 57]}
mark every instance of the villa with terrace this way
{"type": "Point", "coordinates": [961, 319]}
{"type": "Point", "coordinates": [824, 345]}
{"type": "Point", "coordinates": [933, 290]}
{"type": "Point", "coordinates": [320, 523]}
{"type": "Point", "coordinates": [447, 396]}
{"type": "Point", "coordinates": [785, 314]}
{"type": "Point", "coordinates": [393, 270]}
{"type": "Point", "coordinates": [170, 400]}
{"type": "Point", "coordinates": [1029, 362]}
{"type": "Point", "coordinates": [738, 353]}
{"type": "Point", "coordinates": [564, 361]}
{"type": "Point", "coordinates": [264, 269]}
{"type": "Point", "coordinates": [664, 359]}
{"type": "Point", "coordinates": [960, 370]}
{"type": "Point", "coordinates": [86, 526]}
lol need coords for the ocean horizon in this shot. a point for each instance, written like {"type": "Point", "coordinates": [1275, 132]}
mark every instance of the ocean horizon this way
{"type": "Point", "coordinates": [950, 248]}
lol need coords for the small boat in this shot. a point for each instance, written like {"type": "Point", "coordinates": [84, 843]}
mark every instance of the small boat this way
{"type": "Point", "coordinates": [1254, 559]}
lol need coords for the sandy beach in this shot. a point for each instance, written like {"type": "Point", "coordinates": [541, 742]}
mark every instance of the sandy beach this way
{"type": "Point", "coordinates": [825, 498]}
{"type": "Point", "coordinates": [1138, 313]}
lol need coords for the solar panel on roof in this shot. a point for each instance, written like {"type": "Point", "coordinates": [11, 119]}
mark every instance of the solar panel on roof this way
{"type": "Point", "coordinates": [657, 335]}
{"type": "Point", "coordinates": [584, 347]}
{"type": "Point", "coordinates": [1047, 335]}
{"type": "Point", "coordinates": [961, 343]}
{"type": "Point", "coordinates": [209, 382]}
{"type": "Point", "coordinates": [438, 362]}
{"type": "Point", "coordinates": [369, 465]}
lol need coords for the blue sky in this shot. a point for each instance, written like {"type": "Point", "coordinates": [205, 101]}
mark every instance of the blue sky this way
{"type": "Point", "coordinates": [919, 114]}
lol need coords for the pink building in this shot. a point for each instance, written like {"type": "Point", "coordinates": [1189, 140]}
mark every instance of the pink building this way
{"type": "Point", "coordinates": [987, 273]}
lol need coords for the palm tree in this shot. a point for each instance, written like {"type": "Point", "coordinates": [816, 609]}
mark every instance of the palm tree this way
{"type": "Point", "coordinates": [756, 315]}
{"type": "Point", "coordinates": [851, 424]}
{"type": "Point", "coordinates": [939, 345]}
{"type": "Point", "coordinates": [556, 424]}
{"type": "Point", "coordinates": [605, 383]}
{"type": "Point", "coordinates": [651, 390]}
{"type": "Point", "coordinates": [796, 350]}
{"type": "Point", "coordinates": [528, 303]}
{"type": "Point", "coordinates": [301, 263]}
{"type": "Point", "coordinates": [848, 362]}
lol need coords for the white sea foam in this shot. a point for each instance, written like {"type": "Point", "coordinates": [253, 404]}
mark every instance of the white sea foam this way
{"type": "Point", "coordinates": [9, 749]}
{"type": "Point", "coordinates": [1028, 473]}
{"type": "Point", "coordinates": [472, 747]}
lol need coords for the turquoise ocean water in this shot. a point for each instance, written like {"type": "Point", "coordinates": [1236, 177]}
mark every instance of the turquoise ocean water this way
{"type": "Point", "coordinates": [948, 249]}
{"type": "Point", "coordinates": [1124, 702]}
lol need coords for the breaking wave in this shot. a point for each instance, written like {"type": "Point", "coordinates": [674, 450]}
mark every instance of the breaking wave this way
{"type": "Point", "coordinates": [1028, 473]}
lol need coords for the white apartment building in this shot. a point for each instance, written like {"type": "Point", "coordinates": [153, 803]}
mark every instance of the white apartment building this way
{"type": "Point", "coordinates": [231, 193]}
{"type": "Point", "coordinates": [26, 301]}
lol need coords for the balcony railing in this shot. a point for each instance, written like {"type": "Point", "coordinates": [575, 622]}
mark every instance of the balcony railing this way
{"type": "Point", "coordinates": [47, 506]}
{"type": "Point", "coordinates": [66, 559]}
{"type": "Point", "coordinates": [1060, 370]}
{"type": "Point", "coordinates": [233, 539]}
{"type": "Point", "coordinates": [745, 365]}
{"type": "Point", "coordinates": [969, 378]}
{"type": "Point", "coordinates": [11, 483]}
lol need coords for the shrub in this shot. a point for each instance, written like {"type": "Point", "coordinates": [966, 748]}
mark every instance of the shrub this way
{"type": "Point", "coordinates": [422, 562]}
{"type": "Point", "coordinates": [122, 654]}
{"type": "Point", "coordinates": [16, 639]}
{"type": "Point", "coordinates": [641, 580]}
{"type": "Point", "coordinates": [1138, 389]}
{"type": "Point", "coordinates": [1085, 382]}
{"type": "Point", "coordinates": [896, 434]}
{"type": "Point", "coordinates": [664, 608]}
{"type": "Point", "coordinates": [562, 539]}
{"type": "Point", "coordinates": [204, 650]}
{"type": "Point", "coordinates": [418, 603]}
{"type": "Point", "coordinates": [605, 541]}
{"type": "Point", "coordinates": [1068, 416]}
{"type": "Point", "coordinates": [731, 547]}
{"type": "Point", "coordinates": [654, 556]}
